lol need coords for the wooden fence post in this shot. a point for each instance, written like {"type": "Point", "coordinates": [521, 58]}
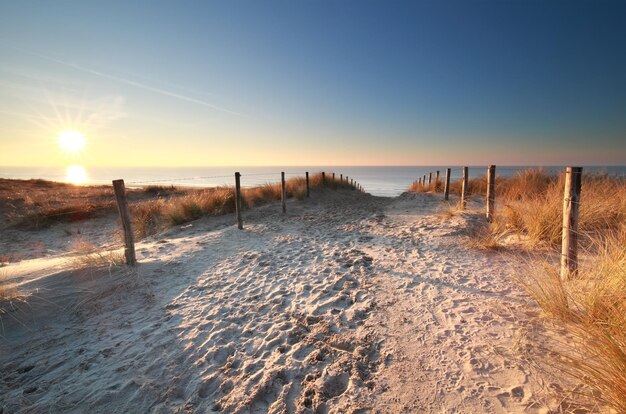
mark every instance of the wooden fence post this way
{"type": "Point", "coordinates": [446, 189]}
{"type": "Point", "coordinates": [283, 193]}
{"type": "Point", "coordinates": [341, 177]}
{"type": "Point", "coordinates": [436, 180]}
{"type": "Point", "coordinates": [238, 200]}
{"type": "Point", "coordinates": [571, 206]}
{"type": "Point", "coordinates": [464, 188]}
{"type": "Point", "coordinates": [122, 206]}
{"type": "Point", "coordinates": [333, 176]}
{"type": "Point", "coordinates": [308, 190]}
{"type": "Point", "coordinates": [323, 177]}
{"type": "Point", "coordinates": [491, 191]}
{"type": "Point", "coordinates": [430, 180]}
{"type": "Point", "coordinates": [419, 181]}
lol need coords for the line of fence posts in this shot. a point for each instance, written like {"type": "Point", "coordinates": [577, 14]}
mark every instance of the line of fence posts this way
{"type": "Point", "coordinates": [119, 189]}
{"type": "Point", "coordinates": [571, 209]}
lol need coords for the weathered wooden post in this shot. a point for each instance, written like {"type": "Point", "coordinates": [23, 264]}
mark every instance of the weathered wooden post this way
{"type": "Point", "coordinates": [323, 178]}
{"type": "Point", "coordinates": [333, 176]}
{"type": "Point", "coordinates": [283, 193]}
{"type": "Point", "coordinates": [436, 180]}
{"type": "Point", "coordinates": [491, 191]}
{"type": "Point", "coordinates": [308, 189]}
{"type": "Point", "coordinates": [571, 206]}
{"type": "Point", "coordinates": [122, 206]}
{"type": "Point", "coordinates": [446, 188]}
{"type": "Point", "coordinates": [419, 181]}
{"type": "Point", "coordinates": [430, 180]}
{"type": "Point", "coordinates": [238, 200]}
{"type": "Point", "coordinates": [464, 188]}
{"type": "Point", "coordinates": [341, 178]}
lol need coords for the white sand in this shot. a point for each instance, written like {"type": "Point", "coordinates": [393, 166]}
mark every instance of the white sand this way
{"type": "Point", "coordinates": [349, 303]}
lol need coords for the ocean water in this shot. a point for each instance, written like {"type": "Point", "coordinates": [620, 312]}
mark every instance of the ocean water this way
{"type": "Point", "coordinates": [381, 181]}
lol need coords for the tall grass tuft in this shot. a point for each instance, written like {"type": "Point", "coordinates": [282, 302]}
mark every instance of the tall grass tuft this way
{"type": "Point", "coordinates": [419, 187]}
{"type": "Point", "coordinates": [89, 256]}
{"type": "Point", "coordinates": [589, 315]}
{"type": "Point", "coordinates": [475, 186]}
{"type": "Point", "coordinates": [588, 312]}
{"type": "Point", "coordinates": [10, 294]}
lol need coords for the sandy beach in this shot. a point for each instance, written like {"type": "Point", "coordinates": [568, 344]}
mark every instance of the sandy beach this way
{"type": "Point", "coordinates": [320, 207]}
{"type": "Point", "coordinates": [348, 303]}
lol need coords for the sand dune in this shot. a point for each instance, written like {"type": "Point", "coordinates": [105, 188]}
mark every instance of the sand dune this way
{"type": "Point", "coordinates": [349, 303]}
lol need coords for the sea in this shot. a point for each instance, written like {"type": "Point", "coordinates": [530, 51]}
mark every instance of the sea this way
{"type": "Point", "coordinates": [377, 180]}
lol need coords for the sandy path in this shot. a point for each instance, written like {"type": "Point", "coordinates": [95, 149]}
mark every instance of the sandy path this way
{"type": "Point", "coordinates": [349, 303]}
{"type": "Point", "coordinates": [452, 318]}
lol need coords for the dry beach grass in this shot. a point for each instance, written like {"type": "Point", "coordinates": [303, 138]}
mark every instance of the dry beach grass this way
{"type": "Point", "coordinates": [588, 341]}
{"type": "Point", "coordinates": [155, 215]}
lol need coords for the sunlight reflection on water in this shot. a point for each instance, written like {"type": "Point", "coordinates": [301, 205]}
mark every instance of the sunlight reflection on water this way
{"type": "Point", "coordinates": [76, 174]}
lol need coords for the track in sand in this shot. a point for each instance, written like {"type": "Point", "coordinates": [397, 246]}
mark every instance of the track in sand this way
{"type": "Point", "coordinates": [348, 303]}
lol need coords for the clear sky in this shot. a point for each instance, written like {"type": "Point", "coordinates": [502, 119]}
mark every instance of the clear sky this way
{"type": "Point", "coordinates": [313, 82]}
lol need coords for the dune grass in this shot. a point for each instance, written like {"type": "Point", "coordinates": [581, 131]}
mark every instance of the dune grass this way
{"type": "Point", "coordinates": [588, 343]}
{"type": "Point", "coordinates": [9, 295]}
{"type": "Point", "coordinates": [37, 204]}
{"type": "Point", "coordinates": [152, 216]}
{"type": "Point", "coordinates": [424, 187]}
{"type": "Point", "coordinates": [90, 256]}
{"type": "Point", "coordinates": [588, 317]}
{"type": "Point", "coordinates": [531, 203]}
{"type": "Point", "coordinates": [8, 291]}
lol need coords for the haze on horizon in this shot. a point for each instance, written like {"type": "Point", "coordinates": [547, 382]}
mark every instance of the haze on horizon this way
{"type": "Point", "coordinates": [312, 83]}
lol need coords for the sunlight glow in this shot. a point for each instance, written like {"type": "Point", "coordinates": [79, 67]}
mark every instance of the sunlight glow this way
{"type": "Point", "coordinates": [71, 141]}
{"type": "Point", "coordinates": [75, 174]}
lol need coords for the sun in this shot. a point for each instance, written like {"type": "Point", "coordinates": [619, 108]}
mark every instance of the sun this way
{"type": "Point", "coordinates": [71, 141]}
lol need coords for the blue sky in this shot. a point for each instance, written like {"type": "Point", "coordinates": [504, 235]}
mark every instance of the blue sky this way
{"type": "Point", "coordinates": [314, 82]}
